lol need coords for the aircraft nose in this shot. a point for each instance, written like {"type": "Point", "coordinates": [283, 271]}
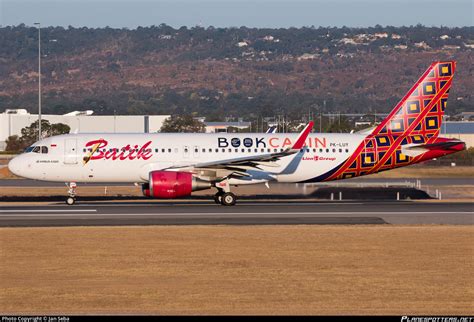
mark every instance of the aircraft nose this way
{"type": "Point", "coordinates": [14, 166]}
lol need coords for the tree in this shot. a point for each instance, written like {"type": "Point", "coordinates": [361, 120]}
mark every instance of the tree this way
{"type": "Point", "coordinates": [29, 134]}
{"type": "Point", "coordinates": [182, 124]}
{"type": "Point", "coordinates": [339, 126]}
{"type": "Point", "coordinates": [13, 143]}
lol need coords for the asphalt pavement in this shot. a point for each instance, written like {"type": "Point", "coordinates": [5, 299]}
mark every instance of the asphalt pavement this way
{"type": "Point", "coordinates": [244, 213]}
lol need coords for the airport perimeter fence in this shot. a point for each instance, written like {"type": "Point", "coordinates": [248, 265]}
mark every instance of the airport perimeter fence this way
{"type": "Point", "coordinates": [448, 162]}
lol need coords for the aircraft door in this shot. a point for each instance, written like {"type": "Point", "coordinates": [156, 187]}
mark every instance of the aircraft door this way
{"type": "Point", "coordinates": [369, 154]}
{"type": "Point", "coordinates": [70, 151]}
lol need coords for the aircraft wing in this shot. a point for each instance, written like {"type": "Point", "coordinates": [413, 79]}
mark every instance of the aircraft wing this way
{"type": "Point", "coordinates": [238, 166]}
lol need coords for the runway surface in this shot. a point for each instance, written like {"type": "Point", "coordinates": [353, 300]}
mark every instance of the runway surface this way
{"type": "Point", "coordinates": [245, 213]}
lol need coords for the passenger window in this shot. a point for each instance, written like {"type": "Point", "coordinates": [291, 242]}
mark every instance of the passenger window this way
{"type": "Point", "coordinates": [230, 150]}
{"type": "Point", "coordinates": [223, 150]}
{"type": "Point", "coordinates": [163, 150]}
{"type": "Point", "coordinates": [44, 149]}
{"type": "Point", "coordinates": [250, 150]}
{"type": "Point", "coordinates": [320, 150]}
{"type": "Point", "coordinates": [340, 150]}
{"type": "Point", "coordinates": [210, 150]}
{"type": "Point", "coordinates": [203, 150]}
{"type": "Point", "coordinates": [333, 150]}
{"type": "Point", "coordinates": [327, 150]}
{"type": "Point", "coordinates": [347, 150]}
{"type": "Point", "coordinates": [169, 150]}
{"type": "Point", "coordinates": [217, 150]}
{"type": "Point", "coordinates": [262, 150]}
{"type": "Point", "coordinates": [243, 150]}
{"type": "Point", "coordinates": [236, 150]}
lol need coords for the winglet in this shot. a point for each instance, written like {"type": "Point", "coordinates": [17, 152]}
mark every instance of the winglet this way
{"type": "Point", "coordinates": [303, 136]}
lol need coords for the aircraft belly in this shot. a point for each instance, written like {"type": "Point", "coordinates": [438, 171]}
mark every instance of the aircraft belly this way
{"type": "Point", "coordinates": [310, 167]}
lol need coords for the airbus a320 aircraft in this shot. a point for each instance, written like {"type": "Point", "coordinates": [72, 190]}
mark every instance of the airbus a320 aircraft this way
{"type": "Point", "coordinates": [174, 165]}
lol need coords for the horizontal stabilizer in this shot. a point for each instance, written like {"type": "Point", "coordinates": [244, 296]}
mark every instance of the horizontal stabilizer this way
{"type": "Point", "coordinates": [414, 150]}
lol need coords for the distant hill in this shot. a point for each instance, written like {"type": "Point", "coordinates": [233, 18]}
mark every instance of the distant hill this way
{"type": "Point", "coordinates": [219, 72]}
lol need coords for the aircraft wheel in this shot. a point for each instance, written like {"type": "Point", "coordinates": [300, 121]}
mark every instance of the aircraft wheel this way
{"type": "Point", "coordinates": [228, 199]}
{"type": "Point", "coordinates": [70, 201]}
{"type": "Point", "coordinates": [218, 198]}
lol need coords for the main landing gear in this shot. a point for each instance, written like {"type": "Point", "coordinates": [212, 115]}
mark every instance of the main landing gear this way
{"type": "Point", "coordinates": [223, 195]}
{"type": "Point", "coordinates": [71, 199]}
{"type": "Point", "coordinates": [225, 198]}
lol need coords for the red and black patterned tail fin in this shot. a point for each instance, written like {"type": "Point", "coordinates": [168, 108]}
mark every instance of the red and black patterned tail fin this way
{"type": "Point", "coordinates": [421, 111]}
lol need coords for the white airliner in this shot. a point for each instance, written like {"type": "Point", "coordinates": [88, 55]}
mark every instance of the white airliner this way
{"type": "Point", "coordinates": [174, 165]}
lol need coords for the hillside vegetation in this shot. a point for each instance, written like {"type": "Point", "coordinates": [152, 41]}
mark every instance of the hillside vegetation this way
{"type": "Point", "coordinates": [218, 72]}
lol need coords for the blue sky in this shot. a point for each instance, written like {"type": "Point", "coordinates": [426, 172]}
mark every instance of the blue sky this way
{"type": "Point", "coordinates": [236, 13]}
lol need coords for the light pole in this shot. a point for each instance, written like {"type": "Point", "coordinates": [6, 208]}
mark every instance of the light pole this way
{"type": "Point", "coordinates": [39, 80]}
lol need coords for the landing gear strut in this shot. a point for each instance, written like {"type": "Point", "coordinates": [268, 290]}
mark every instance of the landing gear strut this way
{"type": "Point", "coordinates": [71, 199]}
{"type": "Point", "coordinates": [223, 195]}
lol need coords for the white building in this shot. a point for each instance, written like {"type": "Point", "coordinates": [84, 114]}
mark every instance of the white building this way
{"type": "Point", "coordinates": [222, 127]}
{"type": "Point", "coordinates": [381, 35]}
{"type": "Point", "coordinates": [12, 121]}
{"type": "Point", "coordinates": [463, 131]}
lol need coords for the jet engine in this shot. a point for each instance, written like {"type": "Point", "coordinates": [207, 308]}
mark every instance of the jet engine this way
{"type": "Point", "coordinates": [171, 184]}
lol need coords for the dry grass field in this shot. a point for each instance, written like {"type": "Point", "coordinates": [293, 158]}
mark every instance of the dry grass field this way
{"type": "Point", "coordinates": [238, 270]}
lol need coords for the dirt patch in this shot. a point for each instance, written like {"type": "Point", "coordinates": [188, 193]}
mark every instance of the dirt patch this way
{"type": "Point", "coordinates": [6, 174]}
{"type": "Point", "coordinates": [238, 270]}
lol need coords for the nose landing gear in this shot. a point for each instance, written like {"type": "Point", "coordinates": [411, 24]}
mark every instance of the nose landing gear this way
{"type": "Point", "coordinates": [71, 199]}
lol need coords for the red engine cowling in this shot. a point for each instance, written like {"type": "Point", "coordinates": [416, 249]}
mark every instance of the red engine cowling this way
{"type": "Point", "coordinates": [171, 184]}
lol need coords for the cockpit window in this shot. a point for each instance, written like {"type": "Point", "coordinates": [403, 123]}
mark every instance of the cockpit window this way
{"type": "Point", "coordinates": [37, 149]}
